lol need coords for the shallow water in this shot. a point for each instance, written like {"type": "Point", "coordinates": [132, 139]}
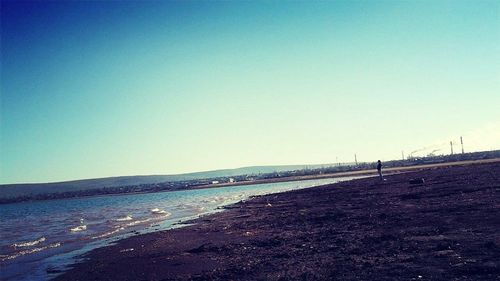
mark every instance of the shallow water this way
{"type": "Point", "coordinates": [41, 238]}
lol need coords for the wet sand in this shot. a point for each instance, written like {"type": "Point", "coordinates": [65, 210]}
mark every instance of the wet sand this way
{"type": "Point", "coordinates": [445, 229]}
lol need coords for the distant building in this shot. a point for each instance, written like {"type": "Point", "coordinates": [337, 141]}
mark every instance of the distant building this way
{"type": "Point", "coordinates": [231, 180]}
{"type": "Point", "coordinates": [215, 182]}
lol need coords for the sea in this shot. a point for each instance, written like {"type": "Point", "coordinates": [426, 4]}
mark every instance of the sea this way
{"type": "Point", "coordinates": [41, 239]}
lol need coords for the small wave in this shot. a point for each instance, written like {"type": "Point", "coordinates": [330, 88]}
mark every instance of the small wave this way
{"type": "Point", "coordinates": [78, 228]}
{"type": "Point", "coordinates": [30, 251]}
{"type": "Point", "coordinates": [29, 243]}
{"type": "Point", "coordinates": [127, 218]}
{"type": "Point", "coordinates": [108, 233]}
{"type": "Point", "coordinates": [137, 222]}
{"type": "Point", "coordinates": [166, 215]}
{"type": "Point", "coordinates": [158, 211]}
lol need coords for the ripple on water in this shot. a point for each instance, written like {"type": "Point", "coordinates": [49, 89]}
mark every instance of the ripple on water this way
{"type": "Point", "coordinates": [29, 243]}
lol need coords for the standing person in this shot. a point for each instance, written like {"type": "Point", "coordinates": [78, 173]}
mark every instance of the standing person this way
{"type": "Point", "coordinates": [379, 169]}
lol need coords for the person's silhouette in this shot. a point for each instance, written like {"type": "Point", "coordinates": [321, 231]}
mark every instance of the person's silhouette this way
{"type": "Point", "coordinates": [379, 169]}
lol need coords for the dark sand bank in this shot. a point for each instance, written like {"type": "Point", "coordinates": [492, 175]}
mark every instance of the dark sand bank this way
{"type": "Point", "coordinates": [445, 229]}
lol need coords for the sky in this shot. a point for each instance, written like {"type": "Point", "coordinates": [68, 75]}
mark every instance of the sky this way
{"type": "Point", "coordinates": [109, 88]}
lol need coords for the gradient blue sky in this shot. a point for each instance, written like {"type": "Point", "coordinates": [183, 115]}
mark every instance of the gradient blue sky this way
{"type": "Point", "coordinates": [107, 88]}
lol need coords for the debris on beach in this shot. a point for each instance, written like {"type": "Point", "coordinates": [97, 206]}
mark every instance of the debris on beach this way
{"type": "Point", "coordinates": [417, 181]}
{"type": "Point", "coordinates": [126, 250]}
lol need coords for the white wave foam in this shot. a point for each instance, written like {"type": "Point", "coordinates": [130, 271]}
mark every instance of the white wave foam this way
{"type": "Point", "coordinates": [79, 228]}
{"type": "Point", "coordinates": [118, 228]}
{"type": "Point", "coordinates": [166, 215]}
{"type": "Point", "coordinates": [30, 251]}
{"type": "Point", "coordinates": [137, 222]}
{"type": "Point", "coordinates": [127, 218]}
{"type": "Point", "coordinates": [158, 211]}
{"type": "Point", "coordinates": [108, 233]}
{"type": "Point", "coordinates": [29, 243]}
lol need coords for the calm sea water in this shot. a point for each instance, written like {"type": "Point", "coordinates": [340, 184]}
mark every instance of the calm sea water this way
{"type": "Point", "coordinates": [47, 236]}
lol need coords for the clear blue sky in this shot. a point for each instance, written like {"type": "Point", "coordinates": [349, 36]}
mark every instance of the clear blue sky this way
{"type": "Point", "coordinates": [108, 88]}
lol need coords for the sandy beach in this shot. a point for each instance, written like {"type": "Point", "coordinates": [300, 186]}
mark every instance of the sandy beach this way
{"type": "Point", "coordinates": [444, 229]}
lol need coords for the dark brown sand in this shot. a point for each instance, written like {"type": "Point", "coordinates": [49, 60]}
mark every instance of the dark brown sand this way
{"type": "Point", "coordinates": [445, 229]}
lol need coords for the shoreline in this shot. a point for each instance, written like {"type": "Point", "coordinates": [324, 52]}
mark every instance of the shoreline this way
{"type": "Point", "coordinates": [373, 171]}
{"type": "Point", "coordinates": [444, 229]}
{"type": "Point", "coordinates": [387, 171]}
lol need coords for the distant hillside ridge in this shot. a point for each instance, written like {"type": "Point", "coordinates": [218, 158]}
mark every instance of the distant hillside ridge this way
{"type": "Point", "coordinates": [25, 189]}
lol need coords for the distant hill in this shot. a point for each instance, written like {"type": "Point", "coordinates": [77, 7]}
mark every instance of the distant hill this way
{"type": "Point", "coordinates": [16, 190]}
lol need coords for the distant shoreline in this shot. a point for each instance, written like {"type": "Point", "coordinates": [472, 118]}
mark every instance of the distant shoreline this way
{"type": "Point", "coordinates": [388, 171]}
{"type": "Point", "coordinates": [373, 171]}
